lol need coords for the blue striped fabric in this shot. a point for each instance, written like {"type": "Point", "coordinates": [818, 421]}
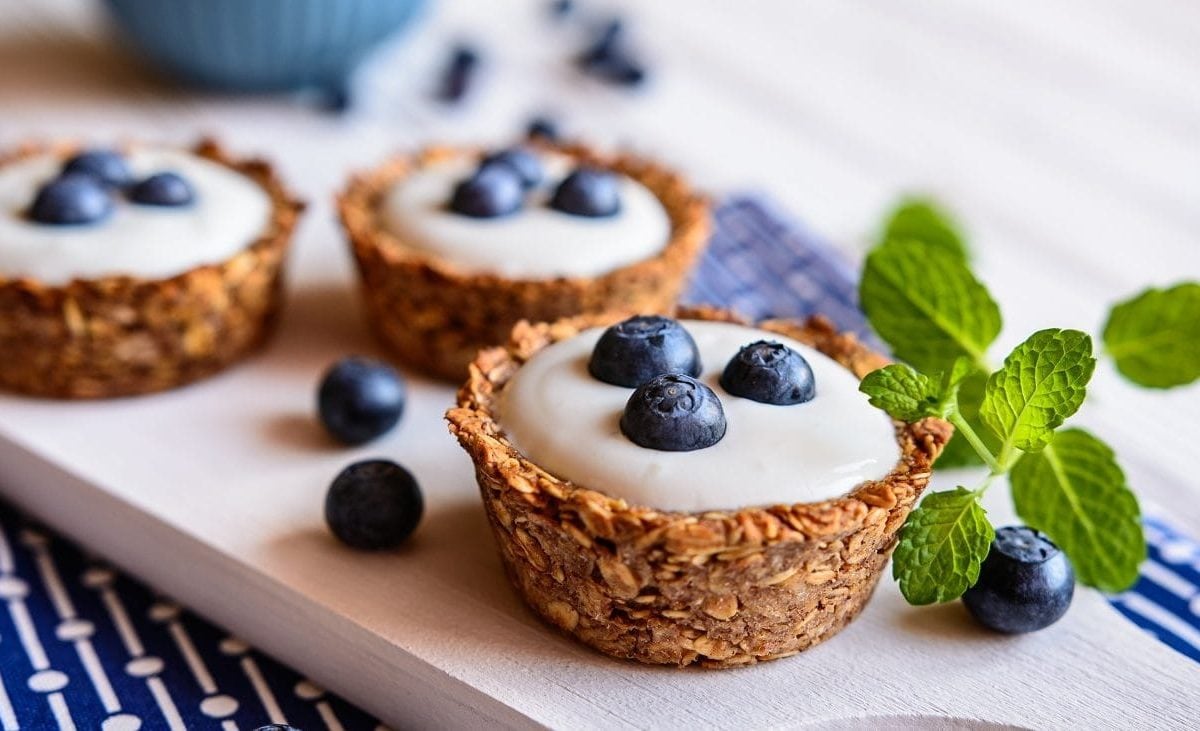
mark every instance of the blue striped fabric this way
{"type": "Point", "coordinates": [1166, 600]}
{"type": "Point", "coordinates": [83, 646]}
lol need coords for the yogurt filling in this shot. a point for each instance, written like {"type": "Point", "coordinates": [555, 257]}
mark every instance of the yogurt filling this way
{"type": "Point", "coordinates": [230, 211]}
{"type": "Point", "coordinates": [567, 422]}
{"type": "Point", "coordinates": [536, 242]}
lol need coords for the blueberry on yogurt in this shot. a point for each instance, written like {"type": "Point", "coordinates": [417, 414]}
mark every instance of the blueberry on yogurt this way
{"type": "Point", "coordinates": [493, 191]}
{"type": "Point", "coordinates": [108, 167]}
{"type": "Point", "coordinates": [523, 162]}
{"type": "Point", "coordinates": [163, 189]}
{"type": "Point", "coordinates": [588, 192]}
{"type": "Point", "coordinates": [640, 348]}
{"type": "Point", "coordinates": [71, 199]}
{"type": "Point", "coordinates": [673, 413]}
{"type": "Point", "coordinates": [771, 373]}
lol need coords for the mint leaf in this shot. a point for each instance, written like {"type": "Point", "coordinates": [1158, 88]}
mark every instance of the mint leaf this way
{"type": "Point", "coordinates": [958, 451]}
{"type": "Point", "coordinates": [902, 392]}
{"type": "Point", "coordinates": [1074, 491]}
{"type": "Point", "coordinates": [921, 219]}
{"type": "Point", "coordinates": [927, 305]}
{"type": "Point", "coordinates": [1042, 383]}
{"type": "Point", "coordinates": [1155, 337]}
{"type": "Point", "coordinates": [942, 544]}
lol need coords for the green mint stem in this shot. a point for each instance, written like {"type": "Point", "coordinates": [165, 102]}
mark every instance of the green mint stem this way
{"type": "Point", "coordinates": [976, 443]}
{"type": "Point", "coordinates": [1008, 457]}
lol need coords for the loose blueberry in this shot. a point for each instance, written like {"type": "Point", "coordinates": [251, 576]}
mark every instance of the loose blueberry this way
{"type": "Point", "coordinates": [673, 413]}
{"type": "Point", "coordinates": [456, 81]}
{"type": "Point", "coordinates": [618, 68]}
{"type": "Point", "coordinates": [1025, 583]}
{"type": "Point", "coordinates": [588, 192]}
{"type": "Point", "coordinates": [542, 128]}
{"type": "Point", "coordinates": [632, 352]}
{"type": "Point", "coordinates": [561, 8]}
{"type": "Point", "coordinates": [523, 162]}
{"type": "Point", "coordinates": [605, 45]}
{"type": "Point", "coordinates": [360, 400]}
{"type": "Point", "coordinates": [373, 505]}
{"type": "Point", "coordinates": [338, 98]}
{"type": "Point", "coordinates": [624, 71]}
{"type": "Point", "coordinates": [493, 191]}
{"type": "Point", "coordinates": [277, 727]}
{"type": "Point", "coordinates": [106, 166]}
{"type": "Point", "coordinates": [608, 59]}
{"type": "Point", "coordinates": [71, 199]}
{"type": "Point", "coordinates": [771, 373]}
{"type": "Point", "coordinates": [162, 189]}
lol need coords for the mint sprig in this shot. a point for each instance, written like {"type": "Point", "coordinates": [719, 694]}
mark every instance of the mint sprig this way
{"type": "Point", "coordinates": [903, 393]}
{"type": "Point", "coordinates": [928, 305]}
{"type": "Point", "coordinates": [922, 219]}
{"type": "Point", "coordinates": [1075, 492]}
{"type": "Point", "coordinates": [1042, 383]}
{"type": "Point", "coordinates": [1070, 487]}
{"type": "Point", "coordinates": [958, 452]}
{"type": "Point", "coordinates": [942, 545]}
{"type": "Point", "coordinates": [939, 318]}
{"type": "Point", "coordinates": [1154, 338]}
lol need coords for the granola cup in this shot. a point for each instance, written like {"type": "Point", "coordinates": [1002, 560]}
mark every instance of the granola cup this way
{"type": "Point", "coordinates": [122, 336]}
{"type": "Point", "coordinates": [436, 317]}
{"type": "Point", "coordinates": [717, 589]}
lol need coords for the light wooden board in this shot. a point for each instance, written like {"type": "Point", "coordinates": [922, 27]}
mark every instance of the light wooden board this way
{"type": "Point", "coordinates": [1065, 136]}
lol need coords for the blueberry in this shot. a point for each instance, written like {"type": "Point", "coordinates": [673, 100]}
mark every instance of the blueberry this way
{"type": "Point", "coordinates": [1025, 583]}
{"type": "Point", "coordinates": [277, 727]}
{"type": "Point", "coordinates": [494, 190]}
{"type": "Point", "coordinates": [360, 400]}
{"type": "Point", "coordinates": [618, 68]}
{"type": "Point", "coordinates": [374, 504]}
{"type": "Point", "coordinates": [163, 189]}
{"type": "Point", "coordinates": [588, 192]}
{"type": "Point", "coordinates": [337, 98]}
{"type": "Point", "coordinates": [605, 45]}
{"type": "Point", "coordinates": [542, 128]}
{"type": "Point", "coordinates": [523, 162]}
{"type": "Point", "coordinates": [561, 8]}
{"type": "Point", "coordinates": [771, 373]}
{"type": "Point", "coordinates": [606, 58]}
{"type": "Point", "coordinates": [456, 80]}
{"type": "Point", "coordinates": [106, 166]}
{"type": "Point", "coordinates": [673, 413]}
{"type": "Point", "coordinates": [73, 198]}
{"type": "Point", "coordinates": [640, 348]}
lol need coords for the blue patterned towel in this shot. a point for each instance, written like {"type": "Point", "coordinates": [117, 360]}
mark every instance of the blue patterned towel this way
{"type": "Point", "coordinates": [82, 646]}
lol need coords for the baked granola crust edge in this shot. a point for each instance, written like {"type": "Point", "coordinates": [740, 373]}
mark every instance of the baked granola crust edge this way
{"type": "Point", "coordinates": [436, 317]}
{"type": "Point", "coordinates": [122, 336]}
{"type": "Point", "coordinates": [717, 589]}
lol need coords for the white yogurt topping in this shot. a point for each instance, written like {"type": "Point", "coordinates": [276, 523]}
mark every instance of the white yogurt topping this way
{"type": "Point", "coordinates": [151, 242]}
{"type": "Point", "coordinates": [567, 422]}
{"type": "Point", "coordinates": [536, 242]}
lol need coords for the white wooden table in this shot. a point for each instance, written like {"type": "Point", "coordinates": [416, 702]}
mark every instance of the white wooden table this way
{"type": "Point", "coordinates": [1066, 134]}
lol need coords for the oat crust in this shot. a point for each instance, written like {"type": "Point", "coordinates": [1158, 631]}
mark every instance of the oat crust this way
{"type": "Point", "coordinates": [718, 589]}
{"type": "Point", "coordinates": [435, 317]}
{"type": "Point", "coordinates": [121, 335]}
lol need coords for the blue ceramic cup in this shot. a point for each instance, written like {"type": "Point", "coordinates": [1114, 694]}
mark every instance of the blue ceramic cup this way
{"type": "Point", "coordinates": [261, 45]}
